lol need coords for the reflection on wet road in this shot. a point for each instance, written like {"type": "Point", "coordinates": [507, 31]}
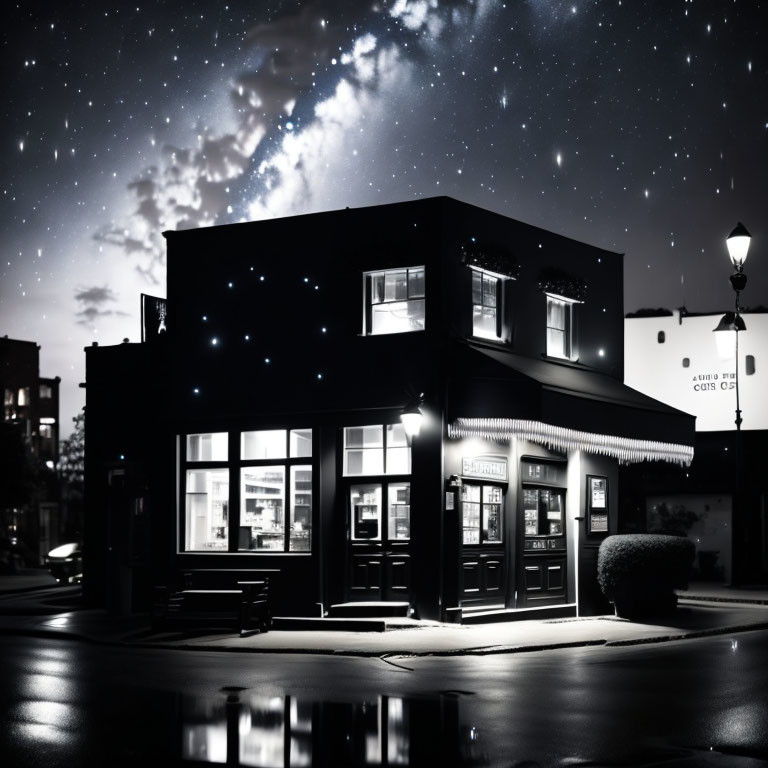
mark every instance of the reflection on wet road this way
{"type": "Point", "coordinates": [689, 703]}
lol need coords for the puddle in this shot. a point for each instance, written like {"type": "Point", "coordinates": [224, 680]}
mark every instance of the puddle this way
{"type": "Point", "coordinates": [246, 729]}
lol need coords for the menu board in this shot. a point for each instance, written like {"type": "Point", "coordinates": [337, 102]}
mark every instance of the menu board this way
{"type": "Point", "coordinates": [597, 504]}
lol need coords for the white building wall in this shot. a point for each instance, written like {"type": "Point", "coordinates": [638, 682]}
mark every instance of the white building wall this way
{"type": "Point", "coordinates": [706, 387]}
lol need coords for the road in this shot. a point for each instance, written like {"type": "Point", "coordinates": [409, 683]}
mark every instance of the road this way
{"type": "Point", "coordinates": [694, 702]}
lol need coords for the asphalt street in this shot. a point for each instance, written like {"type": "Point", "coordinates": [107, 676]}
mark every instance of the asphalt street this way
{"type": "Point", "coordinates": [691, 702]}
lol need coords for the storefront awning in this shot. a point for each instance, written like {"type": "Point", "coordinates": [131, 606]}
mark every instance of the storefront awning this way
{"type": "Point", "coordinates": [499, 395]}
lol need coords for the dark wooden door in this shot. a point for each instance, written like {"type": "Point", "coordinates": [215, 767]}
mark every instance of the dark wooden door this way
{"type": "Point", "coordinates": [379, 541]}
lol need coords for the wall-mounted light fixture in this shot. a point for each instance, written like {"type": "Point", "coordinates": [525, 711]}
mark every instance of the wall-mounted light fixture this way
{"type": "Point", "coordinates": [412, 417]}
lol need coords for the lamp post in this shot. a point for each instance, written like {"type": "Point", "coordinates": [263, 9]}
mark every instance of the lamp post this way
{"type": "Point", "coordinates": [738, 246]}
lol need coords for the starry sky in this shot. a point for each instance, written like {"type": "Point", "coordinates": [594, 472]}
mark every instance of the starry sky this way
{"type": "Point", "coordinates": [637, 126]}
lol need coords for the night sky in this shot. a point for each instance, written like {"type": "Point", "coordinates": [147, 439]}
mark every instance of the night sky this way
{"type": "Point", "coordinates": [641, 127]}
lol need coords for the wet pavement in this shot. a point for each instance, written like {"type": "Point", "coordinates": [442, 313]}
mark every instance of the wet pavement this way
{"type": "Point", "coordinates": [31, 604]}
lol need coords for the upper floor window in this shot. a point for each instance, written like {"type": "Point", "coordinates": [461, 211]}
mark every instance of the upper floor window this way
{"type": "Point", "coordinates": [486, 305]}
{"type": "Point", "coordinates": [394, 301]}
{"type": "Point", "coordinates": [46, 393]}
{"type": "Point", "coordinates": [559, 327]}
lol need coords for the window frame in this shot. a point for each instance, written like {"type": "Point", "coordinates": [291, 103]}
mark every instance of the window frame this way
{"type": "Point", "coordinates": [235, 465]}
{"type": "Point", "coordinates": [385, 448]}
{"type": "Point", "coordinates": [368, 302]}
{"type": "Point", "coordinates": [498, 306]}
{"type": "Point", "coordinates": [567, 331]}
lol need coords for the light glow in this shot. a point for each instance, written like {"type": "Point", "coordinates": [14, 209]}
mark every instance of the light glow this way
{"type": "Point", "coordinates": [627, 450]}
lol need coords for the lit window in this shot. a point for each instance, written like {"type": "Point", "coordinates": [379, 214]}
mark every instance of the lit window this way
{"type": "Point", "coordinates": [8, 397]}
{"type": "Point", "coordinates": [207, 504]}
{"type": "Point", "coordinates": [368, 501]}
{"type": "Point", "coordinates": [482, 520]}
{"type": "Point", "coordinates": [207, 447]}
{"type": "Point", "coordinates": [486, 305]}
{"type": "Point", "coordinates": [394, 301]}
{"type": "Point", "coordinates": [559, 327]}
{"type": "Point", "coordinates": [46, 393]}
{"type": "Point", "coordinates": [45, 431]}
{"type": "Point", "coordinates": [23, 396]}
{"type": "Point", "coordinates": [376, 450]}
{"type": "Point", "coordinates": [275, 491]}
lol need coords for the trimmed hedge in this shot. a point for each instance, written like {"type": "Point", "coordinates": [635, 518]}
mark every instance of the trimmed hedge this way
{"type": "Point", "coordinates": [638, 573]}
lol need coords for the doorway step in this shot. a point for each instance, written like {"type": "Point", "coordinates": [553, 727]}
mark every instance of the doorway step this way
{"type": "Point", "coordinates": [368, 610]}
{"type": "Point", "coordinates": [487, 615]}
{"type": "Point", "coordinates": [353, 617]}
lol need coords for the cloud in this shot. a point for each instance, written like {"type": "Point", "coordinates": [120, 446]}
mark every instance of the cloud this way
{"type": "Point", "coordinates": [91, 301]}
{"type": "Point", "coordinates": [192, 186]}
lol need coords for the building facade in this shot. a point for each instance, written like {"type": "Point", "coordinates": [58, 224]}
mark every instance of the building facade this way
{"type": "Point", "coordinates": [676, 357]}
{"type": "Point", "coordinates": [31, 409]}
{"type": "Point", "coordinates": [269, 424]}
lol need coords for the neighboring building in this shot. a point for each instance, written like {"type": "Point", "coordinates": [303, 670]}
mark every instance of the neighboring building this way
{"type": "Point", "coordinates": [676, 357]}
{"type": "Point", "coordinates": [267, 427]}
{"type": "Point", "coordinates": [31, 406]}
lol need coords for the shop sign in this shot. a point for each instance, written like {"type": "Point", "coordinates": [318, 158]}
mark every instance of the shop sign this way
{"type": "Point", "coordinates": [485, 467]}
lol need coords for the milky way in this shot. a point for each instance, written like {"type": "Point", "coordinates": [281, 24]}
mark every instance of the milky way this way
{"type": "Point", "coordinates": [640, 127]}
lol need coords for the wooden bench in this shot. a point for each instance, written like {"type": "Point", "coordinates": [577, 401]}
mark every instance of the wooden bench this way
{"type": "Point", "coordinates": [216, 598]}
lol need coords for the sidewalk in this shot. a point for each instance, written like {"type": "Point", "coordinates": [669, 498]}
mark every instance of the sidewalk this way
{"type": "Point", "coordinates": [28, 605]}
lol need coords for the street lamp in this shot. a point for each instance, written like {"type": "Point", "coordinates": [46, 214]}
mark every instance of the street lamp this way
{"type": "Point", "coordinates": [738, 247]}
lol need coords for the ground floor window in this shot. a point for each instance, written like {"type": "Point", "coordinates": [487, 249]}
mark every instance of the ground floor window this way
{"type": "Point", "coordinates": [258, 500]}
{"type": "Point", "coordinates": [369, 521]}
{"type": "Point", "coordinates": [481, 514]}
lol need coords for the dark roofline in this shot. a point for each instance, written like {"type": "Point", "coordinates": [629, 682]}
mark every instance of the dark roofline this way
{"type": "Point", "coordinates": [443, 199]}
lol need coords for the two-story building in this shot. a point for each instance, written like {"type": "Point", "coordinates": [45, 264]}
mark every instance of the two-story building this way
{"type": "Point", "coordinates": [419, 402]}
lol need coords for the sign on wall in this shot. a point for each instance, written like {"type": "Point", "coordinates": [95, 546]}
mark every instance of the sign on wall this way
{"type": "Point", "coordinates": [485, 467]}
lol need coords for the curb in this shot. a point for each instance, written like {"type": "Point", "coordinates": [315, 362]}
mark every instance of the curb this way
{"type": "Point", "coordinates": [384, 655]}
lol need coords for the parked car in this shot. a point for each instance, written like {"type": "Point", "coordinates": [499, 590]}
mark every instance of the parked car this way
{"type": "Point", "coordinates": [66, 563]}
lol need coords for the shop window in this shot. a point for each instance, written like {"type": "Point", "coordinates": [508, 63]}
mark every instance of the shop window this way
{"type": "Point", "coordinates": [481, 514]}
{"type": "Point", "coordinates": [543, 512]}
{"type": "Point", "coordinates": [376, 450]}
{"type": "Point", "coordinates": [46, 393]}
{"type": "Point", "coordinates": [486, 305]}
{"type": "Point", "coordinates": [394, 301]}
{"type": "Point", "coordinates": [206, 509]}
{"type": "Point", "coordinates": [559, 327]}
{"type": "Point", "coordinates": [367, 503]}
{"type": "Point", "coordinates": [275, 492]}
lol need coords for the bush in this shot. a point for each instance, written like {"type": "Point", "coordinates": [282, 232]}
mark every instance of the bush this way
{"type": "Point", "coordinates": [638, 573]}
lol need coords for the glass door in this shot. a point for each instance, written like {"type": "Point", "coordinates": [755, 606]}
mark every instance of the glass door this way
{"type": "Point", "coordinates": [481, 507]}
{"type": "Point", "coordinates": [379, 534]}
{"type": "Point", "coordinates": [542, 577]}
{"type": "Point", "coordinates": [483, 559]}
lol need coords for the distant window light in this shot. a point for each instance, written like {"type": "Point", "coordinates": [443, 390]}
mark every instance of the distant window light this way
{"type": "Point", "coordinates": [750, 365]}
{"type": "Point", "coordinates": [662, 337]}
{"type": "Point", "coordinates": [686, 362]}
{"type": "Point", "coordinates": [46, 393]}
{"type": "Point", "coordinates": [46, 431]}
{"type": "Point", "coordinates": [47, 420]}
{"type": "Point", "coordinates": [9, 397]}
{"type": "Point", "coordinates": [23, 396]}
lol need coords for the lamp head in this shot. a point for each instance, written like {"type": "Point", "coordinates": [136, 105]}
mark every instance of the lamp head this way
{"type": "Point", "coordinates": [412, 419]}
{"type": "Point", "coordinates": [725, 338]}
{"type": "Point", "coordinates": [738, 245]}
